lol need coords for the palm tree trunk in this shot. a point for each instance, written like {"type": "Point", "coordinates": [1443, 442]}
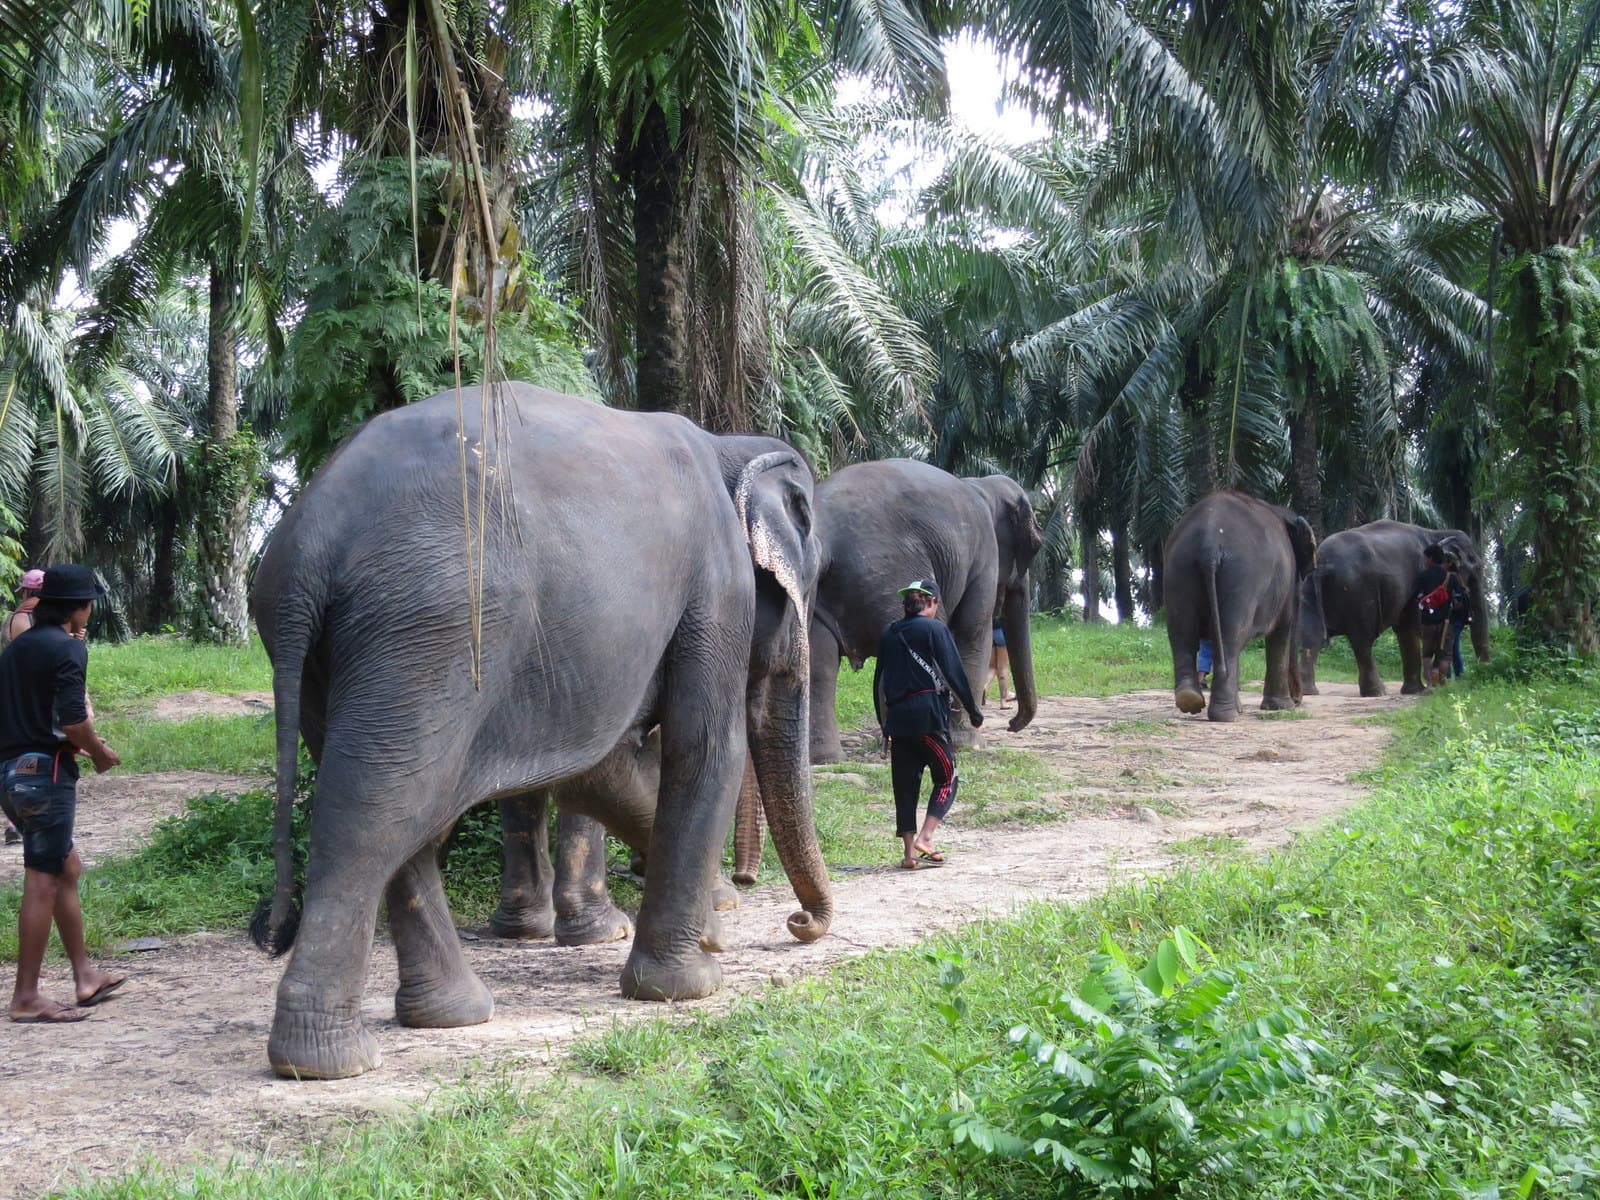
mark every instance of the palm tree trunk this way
{"type": "Point", "coordinates": [1305, 457]}
{"type": "Point", "coordinates": [1122, 574]}
{"type": "Point", "coordinates": [1089, 555]}
{"type": "Point", "coordinates": [163, 607]}
{"type": "Point", "coordinates": [1155, 557]}
{"type": "Point", "coordinates": [224, 475]}
{"type": "Point", "coordinates": [661, 318]}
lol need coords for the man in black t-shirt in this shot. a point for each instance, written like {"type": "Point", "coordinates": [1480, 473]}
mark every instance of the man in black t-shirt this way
{"type": "Point", "coordinates": [44, 724]}
{"type": "Point", "coordinates": [918, 667]}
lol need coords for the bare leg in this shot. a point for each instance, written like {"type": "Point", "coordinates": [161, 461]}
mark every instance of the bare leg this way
{"type": "Point", "coordinates": [33, 934]}
{"type": "Point", "coordinates": [88, 978]}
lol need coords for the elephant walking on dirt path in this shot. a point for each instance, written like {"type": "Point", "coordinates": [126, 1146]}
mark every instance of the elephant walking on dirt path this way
{"type": "Point", "coordinates": [1365, 583]}
{"type": "Point", "coordinates": [882, 524]}
{"type": "Point", "coordinates": [613, 553]}
{"type": "Point", "coordinates": [1233, 571]}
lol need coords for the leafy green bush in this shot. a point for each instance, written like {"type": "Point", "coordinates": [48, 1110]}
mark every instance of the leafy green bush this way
{"type": "Point", "coordinates": [1139, 1082]}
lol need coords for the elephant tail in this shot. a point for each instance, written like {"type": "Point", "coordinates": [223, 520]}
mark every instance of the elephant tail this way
{"type": "Point", "coordinates": [273, 928]}
{"type": "Point", "coordinates": [1219, 649]}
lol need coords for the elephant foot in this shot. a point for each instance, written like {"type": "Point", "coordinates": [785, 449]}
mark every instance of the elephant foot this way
{"type": "Point", "coordinates": [690, 977]}
{"type": "Point", "coordinates": [723, 897]}
{"type": "Point", "coordinates": [514, 922]}
{"type": "Point", "coordinates": [1310, 690]}
{"type": "Point", "coordinates": [1190, 699]}
{"type": "Point", "coordinates": [449, 1004]}
{"type": "Point", "coordinates": [593, 928]}
{"type": "Point", "coordinates": [1408, 688]}
{"type": "Point", "coordinates": [964, 737]}
{"type": "Point", "coordinates": [1277, 703]}
{"type": "Point", "coordinates": [830, 751]}
{"type": "Point", "coordinates": [711, 937]}
{"type": "Point", "coordinates": [319, 1045]}
{"type": "Point", "coordinates": [1223, 713]}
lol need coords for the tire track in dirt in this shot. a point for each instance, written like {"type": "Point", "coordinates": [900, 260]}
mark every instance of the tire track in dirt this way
{"type": "Point", "coordinates": [176, 1068]}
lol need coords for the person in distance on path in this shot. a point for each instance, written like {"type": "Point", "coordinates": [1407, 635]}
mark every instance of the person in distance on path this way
{"type": "Point", "coordinates": [44, 724]}
{"type": "Point", "coordinates": [917, 671]}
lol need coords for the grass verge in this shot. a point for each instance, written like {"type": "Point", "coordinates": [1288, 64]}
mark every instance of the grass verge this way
{"type": "Point", "coordinates": [125, 673]}
{"type": "Point", "coordinates": [1442, 942]}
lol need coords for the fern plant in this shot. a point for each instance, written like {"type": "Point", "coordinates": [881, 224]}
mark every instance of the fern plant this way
{"type": "Point", "coordinates": [1147, 1078]}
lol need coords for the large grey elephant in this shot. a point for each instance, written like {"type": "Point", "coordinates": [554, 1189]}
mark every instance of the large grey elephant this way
{"type": "Point", "coordinates": [614, 553]}
{"type": "Point", "coordinates": [884, 523]}
{"type": "Point", "coordinates": [1364, 584]}
{"type": "Point", "coordinates": [1233, 571]}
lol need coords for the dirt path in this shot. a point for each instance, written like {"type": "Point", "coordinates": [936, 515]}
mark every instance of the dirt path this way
{"type": "Point", "coordinates": [177, 1069]}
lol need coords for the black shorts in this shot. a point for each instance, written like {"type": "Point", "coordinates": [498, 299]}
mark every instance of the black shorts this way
{"type": "Point", "coordinates": [41, 800]}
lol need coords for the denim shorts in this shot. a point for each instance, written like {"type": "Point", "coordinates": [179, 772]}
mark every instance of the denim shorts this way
{"type": "Point", "coordinates": [41, 800]}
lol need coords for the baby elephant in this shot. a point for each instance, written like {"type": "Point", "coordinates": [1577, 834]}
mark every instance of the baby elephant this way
{"type": "Point", "coordinates": [1233, 571]}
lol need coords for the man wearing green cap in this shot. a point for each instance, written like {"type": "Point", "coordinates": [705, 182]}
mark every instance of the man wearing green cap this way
{"type": "Point", "coordinates": [918, 669]}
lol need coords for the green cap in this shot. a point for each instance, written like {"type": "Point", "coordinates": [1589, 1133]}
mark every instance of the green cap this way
{"type": "Point", "coordinates": [921, 585]}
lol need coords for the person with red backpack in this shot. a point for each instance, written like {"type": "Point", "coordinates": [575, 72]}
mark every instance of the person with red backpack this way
{"type": "Point", "coordinates": [1432, 591]}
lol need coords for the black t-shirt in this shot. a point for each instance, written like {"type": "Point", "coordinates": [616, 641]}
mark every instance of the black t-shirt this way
{"type": "Point", "coordinates": [913, 697]}
{"type": "Point", "coordinates": [41, 692]}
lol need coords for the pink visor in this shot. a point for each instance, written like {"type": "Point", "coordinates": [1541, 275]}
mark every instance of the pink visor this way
{"type": "Point", "coordinates": [32, 579]}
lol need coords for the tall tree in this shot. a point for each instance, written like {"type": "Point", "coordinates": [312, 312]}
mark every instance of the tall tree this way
{"type": "Point", "coordinates": [1499, 101]}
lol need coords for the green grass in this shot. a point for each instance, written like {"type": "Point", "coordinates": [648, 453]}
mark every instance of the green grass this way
{"type": "Point", "coordinates": [140, 669]}
{"type": "Point", "coordinates": [230, 745]}
{"type": "Point", "coordinates": [1074, 659]}
{"type": "Point", "coordinates": [1443, 940]}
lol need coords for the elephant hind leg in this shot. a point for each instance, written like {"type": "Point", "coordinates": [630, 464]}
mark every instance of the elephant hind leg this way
{"type": "Point", "coordinates": [1277, 695]}
{"type": "Point", "coordinates": [526, 878]}
{"type": "Point", "coordinates": [438, 990]}
{"type": "Point", "coordinates": [585, 915]}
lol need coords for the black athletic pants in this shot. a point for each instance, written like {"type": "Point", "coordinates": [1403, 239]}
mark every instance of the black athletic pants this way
{"type": "Point", "coordinates": [907, 758]}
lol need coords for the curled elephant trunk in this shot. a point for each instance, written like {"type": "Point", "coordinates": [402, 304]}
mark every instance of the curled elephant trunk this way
{"type": "Point", "coordinates": [780, 750]}
{"type": "Point", "coordinates": [1014, 623]}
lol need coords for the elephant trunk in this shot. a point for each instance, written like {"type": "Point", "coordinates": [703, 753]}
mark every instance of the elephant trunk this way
{"type": "Point", "coordinates": [1014, 623]}
{"type": "Point", "coordinates": [748, 835]}
{"type": "Point", "coordinates": [1480, 621]}
{"type": "Point", "coordinates": [780, 751]}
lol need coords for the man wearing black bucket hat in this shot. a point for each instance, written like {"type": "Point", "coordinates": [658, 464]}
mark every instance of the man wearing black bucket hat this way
{"type": "Point", "coordinates": [44, 724]}
{"type": "Point", "coordinates": [918, 669]}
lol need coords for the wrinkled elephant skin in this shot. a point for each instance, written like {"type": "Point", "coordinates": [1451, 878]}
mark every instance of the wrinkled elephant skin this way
{"type": "Point", "coordinates": [610, 589]}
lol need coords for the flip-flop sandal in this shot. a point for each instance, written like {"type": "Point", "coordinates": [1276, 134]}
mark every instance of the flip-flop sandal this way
{"type": "Point", "coordinates": [65, 1015]}
{"type": "Point", "coordinates": [102, 994]}
{"type": "Point", "coordinates": [934, 857]}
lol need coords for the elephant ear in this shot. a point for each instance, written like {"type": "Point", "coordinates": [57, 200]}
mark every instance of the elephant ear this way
{"type": "Point", "coordinates": [1303, 540]}
{"type": "Point", "coordinates": [1459, 547]}
{"type": "Point", "coordinates": [774, 506]}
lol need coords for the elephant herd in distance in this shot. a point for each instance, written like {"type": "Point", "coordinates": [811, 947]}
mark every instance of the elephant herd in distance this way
{"type": "Point", "coordinates": [1237, 568]}
{"type": "Point", "coordinates": [641, 623]}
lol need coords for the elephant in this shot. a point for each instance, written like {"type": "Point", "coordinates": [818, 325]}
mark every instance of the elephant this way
{"type": "Point", "coordinates": [1364, 584]}
{"type": "Point", "coordinates": [452, 621]}
{"type": "Point", "coordinates": [884, 523]}
{"type": "Point", "coordinates": [566, 896]}
{"type": "Point", "coordinates": [1233, 571]}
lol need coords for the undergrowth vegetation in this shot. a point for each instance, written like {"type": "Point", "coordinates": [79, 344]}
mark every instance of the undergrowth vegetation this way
{"type": "Point", "coordinates": [1403, 1004]}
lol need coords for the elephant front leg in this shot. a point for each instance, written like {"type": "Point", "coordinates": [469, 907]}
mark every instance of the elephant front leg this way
{"type": "Point", "coordinates": [526, 878]}
{"type": "Point", "coordinates": [703, 749]}
{"type": "Point", "coordinates": [585, 915]}
{"type": "Point", "coordinates": [438, 990]}
{"type": "Point", "coordinates": [1367, 666]}
{"type": "Point", "coordinates": [1276, 693]}
{"type": "Point", "coordinates": [1410, 662]}
{"type": "Point", "coordinates": [1308, 671]}
{"type": "Point", "coordinates": [826, 746]}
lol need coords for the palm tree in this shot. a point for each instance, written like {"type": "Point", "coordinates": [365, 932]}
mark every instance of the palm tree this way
{"type": "Point", "coordinates": [1498, 101]}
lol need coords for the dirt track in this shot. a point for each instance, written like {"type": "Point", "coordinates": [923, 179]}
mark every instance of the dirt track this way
{"type": "Point", "coordinates": [177, 1068]}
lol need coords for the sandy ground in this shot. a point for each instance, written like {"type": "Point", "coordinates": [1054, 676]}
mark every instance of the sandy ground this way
{"type": "Point", "coordinates": [176, 1068]}
{"type": "Point", "coordinates": [181, 706]}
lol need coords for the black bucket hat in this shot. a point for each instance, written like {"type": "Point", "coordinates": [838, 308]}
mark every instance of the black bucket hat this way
{"type": "Point", "coordinates": [69, 581]}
